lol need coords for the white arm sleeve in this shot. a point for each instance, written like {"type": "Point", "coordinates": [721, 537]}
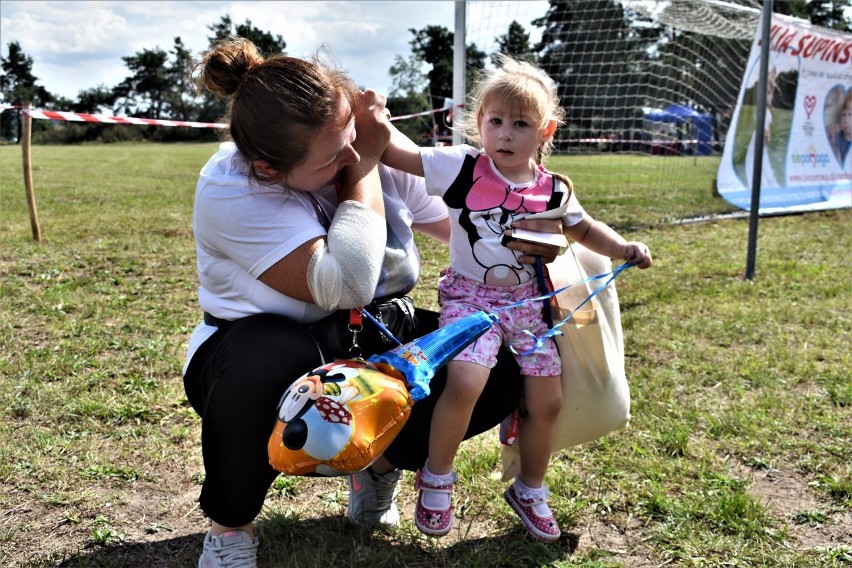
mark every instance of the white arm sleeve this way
{"type": "Point", "coordinates": [344, 272]}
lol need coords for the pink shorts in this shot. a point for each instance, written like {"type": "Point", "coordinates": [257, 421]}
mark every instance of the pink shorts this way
{"type": "Point", "coordinates": [460, 296]}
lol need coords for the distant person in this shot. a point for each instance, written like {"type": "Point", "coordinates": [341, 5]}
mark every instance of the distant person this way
{"type": "Point", "coordinates": [515, 113]}
{"type": "Point", "coordinates": [435, 135]}
{"type": "Point", "coordinates": [277, 220]}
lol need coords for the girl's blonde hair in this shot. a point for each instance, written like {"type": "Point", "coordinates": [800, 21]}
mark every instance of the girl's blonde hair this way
{"type": "Point", "coordinates": [518, 84]}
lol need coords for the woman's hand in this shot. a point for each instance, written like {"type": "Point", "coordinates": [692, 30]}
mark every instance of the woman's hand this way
{"type": "Point", "coordinates": [548, 253]}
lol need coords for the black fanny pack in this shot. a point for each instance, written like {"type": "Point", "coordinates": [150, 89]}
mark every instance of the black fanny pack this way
{"type": "Point", "coordinates": [340, 337]}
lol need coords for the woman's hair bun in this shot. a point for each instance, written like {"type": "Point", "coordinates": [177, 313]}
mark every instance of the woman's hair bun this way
{"type": "Point", "coordinates": [225, 67]}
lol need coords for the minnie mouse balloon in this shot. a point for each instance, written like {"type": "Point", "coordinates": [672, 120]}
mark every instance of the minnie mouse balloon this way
{"type": "Point", "coordinates": [337, 419]}
{"type": "Point", "coordinates": [340, 417]}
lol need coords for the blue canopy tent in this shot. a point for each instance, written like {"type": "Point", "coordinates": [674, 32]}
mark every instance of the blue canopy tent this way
{"type": "Point", "coordinates": [702, 124]}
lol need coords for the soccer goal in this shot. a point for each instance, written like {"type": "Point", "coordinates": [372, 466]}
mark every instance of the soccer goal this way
{"type": "Point", "coordinates": [648, 86]}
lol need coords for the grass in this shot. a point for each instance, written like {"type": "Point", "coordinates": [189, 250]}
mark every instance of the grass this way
{"type": "Point", "coordinates": [738, 452]}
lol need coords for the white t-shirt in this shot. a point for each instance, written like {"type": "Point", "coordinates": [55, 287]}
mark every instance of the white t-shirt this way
{"type": "Point", "coordinates": [241, 229]}
{"type": "Point", "coordinates": [483, 204]}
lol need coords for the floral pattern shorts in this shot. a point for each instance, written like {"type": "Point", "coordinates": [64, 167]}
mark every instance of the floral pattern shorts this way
{"type": "Point", "coordinates": [460, 297]}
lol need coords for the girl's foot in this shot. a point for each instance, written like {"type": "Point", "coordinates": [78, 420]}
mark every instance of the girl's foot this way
{"type": "Point", "coordinates": [433, 514]}
{"type": "Point", "coordinates": [531, 506]}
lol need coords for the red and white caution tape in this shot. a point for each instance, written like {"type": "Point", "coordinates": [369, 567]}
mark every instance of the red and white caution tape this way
{"type": "Point", "coordinates": [425, 112]}
{"type": "Point", "coordinates": [637, 141]}
{"type": "Point", "coordinates": [83, 117]}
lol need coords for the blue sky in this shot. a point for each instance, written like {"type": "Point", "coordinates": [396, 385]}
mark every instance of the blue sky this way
{"type": "Point", "coordinates": [77, 45]}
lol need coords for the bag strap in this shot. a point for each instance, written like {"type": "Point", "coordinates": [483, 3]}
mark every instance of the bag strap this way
{"type": "Point", "coordinates": [545, 286]}
{"type": "Point", "coordinates": [580, 270]}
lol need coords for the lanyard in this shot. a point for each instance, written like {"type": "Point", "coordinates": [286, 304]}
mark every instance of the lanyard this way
{"type": "Point", "coordinates": [356, 321]}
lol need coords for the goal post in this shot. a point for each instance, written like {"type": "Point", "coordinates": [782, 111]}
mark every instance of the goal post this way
{"type": "Point", "coordinates": [649, 88]}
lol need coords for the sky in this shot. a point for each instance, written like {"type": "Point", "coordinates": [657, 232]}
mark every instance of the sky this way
{"type": "Point", "coordinates": [77, 45]}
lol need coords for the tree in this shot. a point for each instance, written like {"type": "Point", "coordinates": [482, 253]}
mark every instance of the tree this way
{"type": "Point", "coordinates": [824, 13]}
{"type": "Point", "coordinates": [598, 62]}
{"type": "Point", "coordinates": [94, 100]}
{"type": "Point", "coordinates": [147, 92]}
{"type": "Point", "coordinates": [159, 87]}
{"type": "Point", "coordinates": [18, 87]}
{"type": "Point", "coordinates": [516, 43]}
{"type": "Point", "coordinates": [409, 95]}
{"type": "Point", "coordinates": [266, 43]}
{"type": "Point", "coordinates": [434, 45]}
{"type": "Point", "coordinates": [178, 72]}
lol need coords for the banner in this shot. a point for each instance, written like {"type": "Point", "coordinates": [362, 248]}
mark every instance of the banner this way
{"type": "Point", "coordinates": [806, 159]}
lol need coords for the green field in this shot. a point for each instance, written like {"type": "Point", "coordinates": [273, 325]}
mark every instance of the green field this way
{"type": "Point", "coordinates": [737, 454]}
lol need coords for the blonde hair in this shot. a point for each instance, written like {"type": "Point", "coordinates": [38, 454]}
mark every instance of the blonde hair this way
{"type": "Point", "coordinates": [521, 85]}
{"type": "Point", "coordinates": [275, 104]}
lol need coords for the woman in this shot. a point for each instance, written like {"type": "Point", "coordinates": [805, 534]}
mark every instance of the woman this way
{"type": "Point", "coordinates": [279, 219]}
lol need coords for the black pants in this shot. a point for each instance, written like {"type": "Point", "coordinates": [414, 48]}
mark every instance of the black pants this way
{"type": "Point", "coordinates": [237, 377]}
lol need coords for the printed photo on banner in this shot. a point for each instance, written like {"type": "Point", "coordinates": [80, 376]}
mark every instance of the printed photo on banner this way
{"type": "Point", "coordinates": [838, 123]}
{"type": "Point", "coordinates": [805, 159]}
{"type": "Point", "coordinates": [781, 85]}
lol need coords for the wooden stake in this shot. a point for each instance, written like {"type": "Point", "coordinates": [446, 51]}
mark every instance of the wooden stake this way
{"type": "Point", "coordinates": [28, 171]}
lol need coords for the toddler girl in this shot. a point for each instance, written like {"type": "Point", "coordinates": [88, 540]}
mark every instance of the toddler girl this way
{"type": "Point", "coordinates": [514, 112]}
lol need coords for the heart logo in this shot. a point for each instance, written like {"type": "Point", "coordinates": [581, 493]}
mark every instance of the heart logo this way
{"type": "Point", "coordinates": [836, 130]}
{"type": "Point", "coordinates": [810, 105]}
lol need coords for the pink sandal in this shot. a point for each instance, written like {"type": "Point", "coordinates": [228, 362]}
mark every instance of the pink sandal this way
{"type": "Point", "coordinates": [531, 506]}
{"type": "Point", "coordinates": [429, 520]}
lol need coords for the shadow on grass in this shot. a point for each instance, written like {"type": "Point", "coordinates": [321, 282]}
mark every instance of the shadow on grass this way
{"type": "Point", "coordinates": [182, 551]}
{"type": "Point", "coordinates": [334, 542]}
{"type": "Point", "coordinates": [288, 542]}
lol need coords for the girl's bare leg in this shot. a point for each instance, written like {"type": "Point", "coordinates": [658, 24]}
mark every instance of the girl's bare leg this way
{"type": "Point", "coordinates": [451, 418]}
{"type": "Point", "coordinates": [543, 400]}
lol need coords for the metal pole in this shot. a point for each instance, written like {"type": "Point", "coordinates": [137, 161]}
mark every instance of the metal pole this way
{"type": "Point", "coordinates": [459, 63]}
{"type": "Point", "coordinates": [759, 128]}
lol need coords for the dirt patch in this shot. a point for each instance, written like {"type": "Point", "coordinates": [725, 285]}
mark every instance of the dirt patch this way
{"type": "Point", "coordinates": [812, 522]}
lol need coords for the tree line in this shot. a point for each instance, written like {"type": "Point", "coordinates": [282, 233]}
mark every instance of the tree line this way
{"type": "Point", "coordinates": [625, 53]}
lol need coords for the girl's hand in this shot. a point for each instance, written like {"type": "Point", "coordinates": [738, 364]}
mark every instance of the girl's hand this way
{"type": "Point", "coordinates": [637, 254]}
{"type": "Point", "coordinates": [548, 253]}
{"type": "Point", "coordinates": [361, 182]}
{"type": "Point", "coordinates": [372, 134]}
{"type": "Point", "coordinates": [372, 127]}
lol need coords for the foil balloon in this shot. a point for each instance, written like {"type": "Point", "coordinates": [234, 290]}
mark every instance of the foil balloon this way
{"type": "Point", "coordinates": [340, 417]}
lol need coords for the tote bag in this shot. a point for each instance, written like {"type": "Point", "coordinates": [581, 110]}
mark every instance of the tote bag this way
{"type": "Point", "coordinates": [596, 396]}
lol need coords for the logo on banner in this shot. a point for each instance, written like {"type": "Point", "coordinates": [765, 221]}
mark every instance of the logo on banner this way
{"type": "Point", "coordinates": [810, 105]}
{"type": "Point", "coordinates": [810, 157]}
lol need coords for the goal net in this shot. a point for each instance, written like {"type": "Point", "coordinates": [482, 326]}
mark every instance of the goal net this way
{"type": "Point", "coordinates": [648, 86]}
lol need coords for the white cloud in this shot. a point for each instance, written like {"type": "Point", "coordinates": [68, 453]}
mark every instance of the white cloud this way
{"type": "Point", "coordinates": [78, 45]}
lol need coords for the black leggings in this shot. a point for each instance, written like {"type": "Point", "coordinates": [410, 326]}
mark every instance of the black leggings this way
{"type": "Point", "coordinates": [237, 377]}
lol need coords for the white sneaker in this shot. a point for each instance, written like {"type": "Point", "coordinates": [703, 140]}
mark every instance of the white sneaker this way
{"type": "Point", "coordinates": [233, 549]}
{"type": "Point", "coordinates": [372, 498]}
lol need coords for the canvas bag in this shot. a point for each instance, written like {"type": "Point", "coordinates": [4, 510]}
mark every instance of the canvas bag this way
{"type": "Point", "coordinates": [596, 396]}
